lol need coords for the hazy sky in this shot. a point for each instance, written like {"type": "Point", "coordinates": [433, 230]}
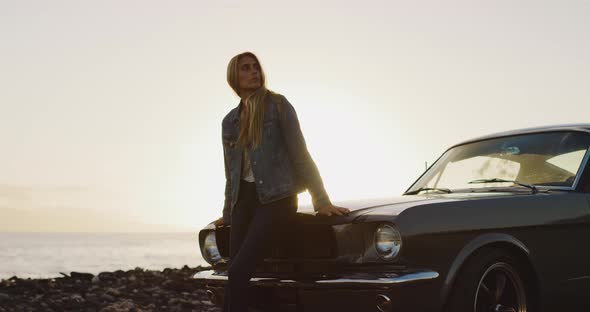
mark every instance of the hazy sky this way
{"type": "Point", "coordinates": [110, 111]}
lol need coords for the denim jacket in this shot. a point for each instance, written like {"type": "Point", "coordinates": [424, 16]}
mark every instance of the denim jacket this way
{"type": "Point", "coordinates": [281, 164]}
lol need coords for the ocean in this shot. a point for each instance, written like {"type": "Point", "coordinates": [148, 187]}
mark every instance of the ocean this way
{"type": "Point", "coordinates": [45, 255]}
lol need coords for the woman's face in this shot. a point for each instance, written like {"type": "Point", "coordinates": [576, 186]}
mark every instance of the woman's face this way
{"type": "Point", "coordinates": [249, 73]}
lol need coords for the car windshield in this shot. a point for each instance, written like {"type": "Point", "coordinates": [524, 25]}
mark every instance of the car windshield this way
{"type": "Point", "coordinates": [544, 159]}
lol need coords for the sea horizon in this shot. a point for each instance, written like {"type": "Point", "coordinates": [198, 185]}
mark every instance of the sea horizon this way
{"type": "Point", "coordinates": [48, 254]}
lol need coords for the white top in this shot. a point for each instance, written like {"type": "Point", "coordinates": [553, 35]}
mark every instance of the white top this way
{"type": "Point", "coordinates": [247, 173]}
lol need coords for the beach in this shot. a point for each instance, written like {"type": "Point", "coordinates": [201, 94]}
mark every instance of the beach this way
{"type": "Point", "coordinates": [101, 272]}
{"type": "Point", "coordinates": [132, 290]}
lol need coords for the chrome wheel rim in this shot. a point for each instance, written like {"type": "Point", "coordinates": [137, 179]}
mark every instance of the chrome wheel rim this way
{"type": "Point", "coordinates": [500, 289]}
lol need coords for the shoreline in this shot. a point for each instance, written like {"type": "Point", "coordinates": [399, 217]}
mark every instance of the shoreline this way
{"type": "Point", "coordinates": [132, 290]}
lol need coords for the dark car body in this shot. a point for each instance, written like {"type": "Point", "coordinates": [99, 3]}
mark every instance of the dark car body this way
{"type": "Point", "coordinates": [535, 236]}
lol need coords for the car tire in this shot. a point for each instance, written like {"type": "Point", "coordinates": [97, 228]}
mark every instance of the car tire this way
{"type": "Point", "coordinates": [491, 280]}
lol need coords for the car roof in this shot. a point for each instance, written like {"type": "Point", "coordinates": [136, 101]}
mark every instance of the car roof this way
{"type": "Point", "coordinates": [567, 127]}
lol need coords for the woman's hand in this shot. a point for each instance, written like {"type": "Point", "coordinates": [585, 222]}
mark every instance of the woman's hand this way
{"type": "Point", "coordinates": [219, 222]}
{"type": "Point", "coordinates": [329, 210]}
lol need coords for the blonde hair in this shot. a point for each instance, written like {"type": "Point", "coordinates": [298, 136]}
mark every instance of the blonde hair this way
{"type": "Point", "coordinates": [251, 128]}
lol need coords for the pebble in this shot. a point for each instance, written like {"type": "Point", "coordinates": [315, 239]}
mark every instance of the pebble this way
{"type": "Point", "coordinates": [113, 292]}
{"type": "Point", "coordinates": [107, 297]}
{"type": "Point", "coordinates": [82, 276]}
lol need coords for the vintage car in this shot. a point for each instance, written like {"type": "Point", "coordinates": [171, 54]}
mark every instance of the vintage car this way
{"type": "Point", "coordinates": [497, 223]}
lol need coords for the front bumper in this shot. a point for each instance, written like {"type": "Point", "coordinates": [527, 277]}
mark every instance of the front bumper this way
{"type": "Point", "coordinates": [345, 292]}
{"type": "Point", "coordinates": [361, 280]}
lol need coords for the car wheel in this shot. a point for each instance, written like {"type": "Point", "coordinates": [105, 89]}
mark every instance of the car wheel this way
{"type": "Point", "coordinates": [491, 281]}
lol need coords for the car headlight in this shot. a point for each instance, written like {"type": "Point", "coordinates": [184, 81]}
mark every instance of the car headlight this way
{"type": "Point", "coordinates": [388, 241]}
{"type": "Point", "coordinates": [209, 250]}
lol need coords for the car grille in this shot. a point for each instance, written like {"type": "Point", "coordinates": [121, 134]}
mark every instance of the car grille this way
{"type": "Point", "coordinates": [306, 241]}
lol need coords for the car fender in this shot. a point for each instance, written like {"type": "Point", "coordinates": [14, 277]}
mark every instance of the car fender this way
{"type": "Point", "coordinates": [470, 248]}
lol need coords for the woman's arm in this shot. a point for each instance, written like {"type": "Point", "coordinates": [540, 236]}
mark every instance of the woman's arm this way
{"type": "Point", "coordinates": [227, 200]}
{"type": "Point", "coordinates": [304, 165]}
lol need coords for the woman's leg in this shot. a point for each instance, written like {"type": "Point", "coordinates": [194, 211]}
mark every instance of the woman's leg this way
{"type": "Point", "coordinates": [240, 220]}
{"type": "Point", "coordinates": [265, 223]}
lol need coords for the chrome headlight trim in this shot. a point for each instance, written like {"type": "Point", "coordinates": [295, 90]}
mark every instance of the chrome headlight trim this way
{"type": "Point", "coordinates": [387, 241]}
{"type": "Point", "coordinates": [209, 251]}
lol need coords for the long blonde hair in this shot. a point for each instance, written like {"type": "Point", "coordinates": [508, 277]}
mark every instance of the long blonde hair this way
{"type": "Point", "coordinates": [250, 128]}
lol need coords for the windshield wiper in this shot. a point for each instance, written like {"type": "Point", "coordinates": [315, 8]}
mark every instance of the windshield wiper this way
{"type": "Point", "coordinates": [445, 190]}
{"type": "Point", "coordinates": [533, 188]}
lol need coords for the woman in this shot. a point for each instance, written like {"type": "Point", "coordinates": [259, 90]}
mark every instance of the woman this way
{"type": "Point", "coordinates": [266, 165]}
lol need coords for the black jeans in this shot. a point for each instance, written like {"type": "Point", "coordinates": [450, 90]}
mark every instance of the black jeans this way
{"type": "Point", "coordinates": [254, 227]}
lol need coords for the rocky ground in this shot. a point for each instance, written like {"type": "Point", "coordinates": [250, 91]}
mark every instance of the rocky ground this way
{"type": "Point", "coordinates": [133, 290]}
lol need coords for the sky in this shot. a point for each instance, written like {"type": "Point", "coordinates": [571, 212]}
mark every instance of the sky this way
{"type": "Point", "coordinates": [110, 111]}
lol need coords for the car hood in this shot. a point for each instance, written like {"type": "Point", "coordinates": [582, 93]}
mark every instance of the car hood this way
{"type": "Point", "coordinates": [390, 206]}
{"type": "Point", "coordinates": [386, 205]}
